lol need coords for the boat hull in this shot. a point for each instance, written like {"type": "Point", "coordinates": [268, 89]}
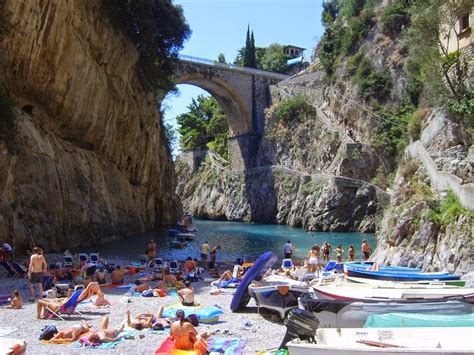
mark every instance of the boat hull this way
{"type": "Point", "coordinates": [401, 276]}
{"type": "Point", "coordinates": [385, 341]}
{"type": "Point", "coordinates": [362, 280]}
{"type": "Point", "coordinates": [347, 314]}
{"type": "Point", "coordinates": [280, 298]}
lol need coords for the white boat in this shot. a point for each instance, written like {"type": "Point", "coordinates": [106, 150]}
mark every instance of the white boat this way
{"type": "Point", "coordinates": [360, 341]}
{"type": "Point", "coordinates": [278, 293]}
{"type": "Point", "coordinates": [390, 291]}
{"type": "Point", "coordinates": [452, 283]}
{"type": "Point", "coordinates": [185, 237]}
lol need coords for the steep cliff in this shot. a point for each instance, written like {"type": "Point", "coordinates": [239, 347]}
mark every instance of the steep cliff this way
{"type": "Point", "coordinates": [89, 160]}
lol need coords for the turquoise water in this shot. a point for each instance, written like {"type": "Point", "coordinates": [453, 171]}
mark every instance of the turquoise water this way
{"type": "Point", "coordinates": [237, 240]}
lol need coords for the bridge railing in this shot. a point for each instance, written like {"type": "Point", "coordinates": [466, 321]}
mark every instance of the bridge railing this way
{"type": "Point", "coordinates": [213, 63]}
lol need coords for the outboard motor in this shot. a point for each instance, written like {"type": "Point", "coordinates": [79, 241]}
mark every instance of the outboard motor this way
{"type": "Point", "coordinates": [300, 324]}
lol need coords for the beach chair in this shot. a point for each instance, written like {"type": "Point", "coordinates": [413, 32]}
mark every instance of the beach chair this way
{"type": "Point", "coordinates": [330, 266]}
{"type": "Point", "coordinates": [83, 257]}
{"type": "Point", "coordinates": [174, 267]}
{"type": "Point", "coordinates": [94, 258]}
{"type": "Point", "coordinates": [287, 264]}
{"type": "Point", "coordinates": [68, 261]}
{"type": "Point", "coordinates": [158, 264]}
{"type": "Point", "coordinates": [48, 282]}
{"type": "Point", "coordinates": [20, 270]}
{"type": "Point", "coordinates": [9, 270]}
{"type": "Point", "coordinates": [69, 307]}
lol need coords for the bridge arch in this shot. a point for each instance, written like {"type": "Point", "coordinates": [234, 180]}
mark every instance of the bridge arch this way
{"type": "Point", "coordinates": [238, 116]}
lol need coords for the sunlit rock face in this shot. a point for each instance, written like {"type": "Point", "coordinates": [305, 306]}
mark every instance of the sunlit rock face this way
{"type": "Point", "coordinates": [90, 161]}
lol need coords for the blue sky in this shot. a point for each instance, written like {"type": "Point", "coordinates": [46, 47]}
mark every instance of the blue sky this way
{"type": "Point", "coordinates": [220, 26]}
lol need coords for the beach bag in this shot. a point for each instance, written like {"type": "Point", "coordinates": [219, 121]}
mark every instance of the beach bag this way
{"type": "Point", "coordinates": [51, 293]}
{"type": "Point", "coordinates": [193, 319]}
{"type": "Point", "coordinates": [147, 293]}
{"type": "Point", "coordinates": [48, 332]}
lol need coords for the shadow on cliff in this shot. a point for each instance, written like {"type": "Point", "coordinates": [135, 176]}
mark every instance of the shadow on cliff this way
{"type": "Point", "coordinates": [261, 194]}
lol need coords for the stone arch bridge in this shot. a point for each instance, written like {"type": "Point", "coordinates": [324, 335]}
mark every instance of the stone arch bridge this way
{"type": "Point", "coordinates": [243, 94]}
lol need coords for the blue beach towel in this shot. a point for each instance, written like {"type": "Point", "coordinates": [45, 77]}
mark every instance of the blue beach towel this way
{"type": "Point", "coordinates": [227, 346]}
{"type": "Point", "coordinates": [84, 341]}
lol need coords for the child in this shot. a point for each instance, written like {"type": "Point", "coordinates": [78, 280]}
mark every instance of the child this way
{"type": "Point", "coordinates": [17, 301]}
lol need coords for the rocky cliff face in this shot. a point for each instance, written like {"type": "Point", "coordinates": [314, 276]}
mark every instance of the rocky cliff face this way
{"type": "Point", "coordinates": [89, 162]}
{"type": "Point", "coordinates": [423, 227]}
{"type": "Point", "coordinates": [278, 195]}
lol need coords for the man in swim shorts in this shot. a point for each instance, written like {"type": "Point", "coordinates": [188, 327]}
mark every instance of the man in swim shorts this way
{"type": "Point", "coordinates": [36, 271]}
{"type": "Point", "coordinates": [186, 295]}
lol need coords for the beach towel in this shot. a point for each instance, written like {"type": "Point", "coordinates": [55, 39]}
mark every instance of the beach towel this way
{"type": "Point", "coordinates": [117, 285]}
{"type": "Point", "coordinates": [228, 346]}
{"type": "Point", "coordinates": [84, 341]}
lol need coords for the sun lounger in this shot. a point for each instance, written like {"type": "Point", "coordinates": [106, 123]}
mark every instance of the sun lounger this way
{"type": "Point", "coordinates": [47, 282]}
{"type": "Point", "coordinates": [20, 270]}
{"type": "Point", "coordinates": [69, 307]}
{"type": "Point", "coordinates": [67, 261]}
{"type": "Point", "coordinates": [287, 264]}
{"type": "Point", "coordinates": [83, 257]}
{"type": "Point", "coordinates": [94, 258]}
{"type": "Point", "coordinates": [9, 270]}
{"type": "Point", "coordinates": [174, 267]}
{"type": "Point", "coordinates": [158, 264]}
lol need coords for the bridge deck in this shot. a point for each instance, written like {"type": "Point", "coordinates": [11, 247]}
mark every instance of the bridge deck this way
{"type": "Point", "coordinates": [228, 66]}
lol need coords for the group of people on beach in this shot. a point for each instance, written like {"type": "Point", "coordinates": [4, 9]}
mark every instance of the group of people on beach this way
{"type": "Point", "coordinates": [317, 256]}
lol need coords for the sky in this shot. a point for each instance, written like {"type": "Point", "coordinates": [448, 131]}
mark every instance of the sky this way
{"type": "Point", "coordinates": [220, 26]}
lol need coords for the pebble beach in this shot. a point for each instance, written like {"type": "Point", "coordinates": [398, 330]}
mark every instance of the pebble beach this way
{"type": "Point", "coordinates": [262, 330]}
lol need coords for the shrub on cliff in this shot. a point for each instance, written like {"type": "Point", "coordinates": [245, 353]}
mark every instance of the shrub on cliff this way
{"type": "Point", "coordinates": [394, 18]}
{"type": "Point", "coordinates": [158, 30]}
{"type": "Point", "coordinates": [294, 108]}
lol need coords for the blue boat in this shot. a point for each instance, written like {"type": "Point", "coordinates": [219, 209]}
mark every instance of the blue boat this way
{"type": "Point", "coordinates": [370, 265]}
{"type": "Point", "coordinates": [401, 275]}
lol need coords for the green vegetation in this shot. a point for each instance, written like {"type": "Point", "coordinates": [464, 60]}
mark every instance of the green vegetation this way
{"type": "Point", "coordinates": [347, 23]}
{"type": "Point", "coordinates": [448, 210]}
{"type": "Point", "coordinates": [395, 17]}
{"type": "Point", "coordinates": [443, 73]}
{"type": "Point", "coordinates": [158, 30]}
{"type": "Point", "coordinates": [274, 59]}
{"type": "Point", "coordinates": [415, 123]}
{"type": "Point", "coordinates": [205, 125]}
{"type": "Point", "coordinates": [7, 120]}
{"type": "Point", "coordinates": [372, 83]}
{"type": "Point", "coordinates": [294, 108]}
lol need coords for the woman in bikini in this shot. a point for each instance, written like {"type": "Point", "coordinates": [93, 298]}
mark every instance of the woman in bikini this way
{"type": "Point", "coordinates": [105, 335]}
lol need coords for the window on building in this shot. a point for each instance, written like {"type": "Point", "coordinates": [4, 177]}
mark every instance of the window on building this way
{"type": "Point", "coordinates": [464, 24]}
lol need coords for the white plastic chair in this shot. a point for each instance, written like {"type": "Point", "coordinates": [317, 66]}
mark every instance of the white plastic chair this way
{"type": "Point", "coordinates": [287, 264]}
{"type": "Point", "coordinates": [174, 267]}
{"type": "Point", "coordinates": [67, 261]}
{"type": "Point", "coordinates": [83, 257]}
{"type": "Point", "coordinates": [94, 258]}
{"type": "Point", "coordinates": [158, 264]}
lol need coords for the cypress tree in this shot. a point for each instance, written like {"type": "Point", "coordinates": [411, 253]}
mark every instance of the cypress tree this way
{"type": "Point", "coordinates": [247, 48]}
{"type": "Point", "coordinates": [252, 56]}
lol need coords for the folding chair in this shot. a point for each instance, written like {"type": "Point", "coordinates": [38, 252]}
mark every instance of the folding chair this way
{"type": "Point", "coordinates": [158, 264]}
{"type": "Point", "coordinates": [287, 264]}
{"type": "Point", "coordinates": [20, 270]}
{"type": "Point", "coordinates": [94, 258]}
{"type": "Point", "coordinates": [174, 267]}
{"type": "Point", "coordinates": [47, 282]}
{"type": "Point", "coordinates": [68, 262]}
{"type": "Point", "coordinates": [83, 257]}
{"type": "Point", "coordinates": [9, 270]}
{"type": "Point", "coordinates": [69, 307]}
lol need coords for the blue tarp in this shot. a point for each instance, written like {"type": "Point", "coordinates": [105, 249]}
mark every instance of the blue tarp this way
{"type": "Point", "coordinates": [294, 61]}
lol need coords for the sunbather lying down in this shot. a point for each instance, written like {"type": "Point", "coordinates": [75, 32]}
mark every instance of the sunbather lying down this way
{"type": "Point", "coordinates": [72, 333]}
{"type": "Point", "coordinates": [105, 335]}
{"type": "Point", "coordinates": [148, 320]}
{"type": "Point", "coordinates": [56, 303]}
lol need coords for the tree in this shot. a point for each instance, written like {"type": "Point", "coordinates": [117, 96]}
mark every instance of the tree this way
{"type": "Point", "coordinates": [252, 58]}
{"type": "Point", "coordinates": [158, 30]}
{"type": "Point", "coordinates": [204, 125]}
{"type": "Point", "coordinates": [275, 59]}
{"type": "Point", "coordinates": [433, 26]}
{"type": "Point", "coordinates": [248, 53]}
{"type": "Point", "coordinates": [221, 58]}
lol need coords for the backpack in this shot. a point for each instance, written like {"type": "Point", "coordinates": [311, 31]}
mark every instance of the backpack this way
{"type": "Point", "coordinates": [193, 319]}
{"type": "Point", "coordinates": [147, 293]}
{"type": "Point", "coordinates": [47, 332]}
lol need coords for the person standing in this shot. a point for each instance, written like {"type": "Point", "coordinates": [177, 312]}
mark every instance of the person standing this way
{"type": "Point", "coordinates": [288, 249]}
{"type": "Point", "coordinates": [366, 250]}
{"type": "Point", "coordinates": [204, 252]}
{"type": "Point", "coordinates": [212, 262]}
{"type": "Point", "coordinates": [36, 270]}
{"type": "Point", "coordinates": [339, 251]}
{"type": "Point", "coordinates": [151, 253]}
{"type": "Point", "coordinates": [352, 253]}
{"type": "Point", "coordinates": [326, 251]}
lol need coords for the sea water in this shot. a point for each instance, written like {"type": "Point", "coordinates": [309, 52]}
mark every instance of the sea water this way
{"type": "Point", "coordinates": [237, 239]}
